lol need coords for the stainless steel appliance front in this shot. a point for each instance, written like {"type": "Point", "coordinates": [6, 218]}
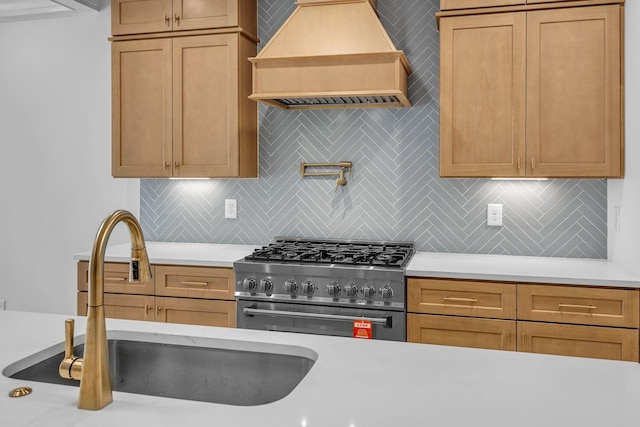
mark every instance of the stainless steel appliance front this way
{"type": "Point", "coordinates": [318, 319]}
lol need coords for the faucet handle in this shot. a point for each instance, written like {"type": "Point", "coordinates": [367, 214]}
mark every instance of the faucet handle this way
{"type": "Point", "coordinates": [71, 366]}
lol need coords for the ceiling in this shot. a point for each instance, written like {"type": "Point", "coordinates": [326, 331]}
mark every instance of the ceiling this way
{"type": "Point", "coordinates": [20, 10]}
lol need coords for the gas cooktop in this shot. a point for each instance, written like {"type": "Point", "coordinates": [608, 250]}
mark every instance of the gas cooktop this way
{"type": "Point", "coordinates": [329, 251]}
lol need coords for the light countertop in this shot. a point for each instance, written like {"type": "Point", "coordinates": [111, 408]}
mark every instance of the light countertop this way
{"type": "Point", "coordinates": [196, 254]}
{"type": "Point", "coordinates": [354, 383]}
{"type": "Point", "coordinates": [574, 271]}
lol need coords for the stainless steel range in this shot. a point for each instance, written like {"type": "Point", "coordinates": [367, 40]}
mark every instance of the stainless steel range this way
{"type": "Point", "coordinates": [324, 287]}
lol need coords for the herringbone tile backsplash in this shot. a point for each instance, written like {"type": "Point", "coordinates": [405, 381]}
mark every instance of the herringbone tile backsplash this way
{"type": "Point", "coordinates": [395, 192]}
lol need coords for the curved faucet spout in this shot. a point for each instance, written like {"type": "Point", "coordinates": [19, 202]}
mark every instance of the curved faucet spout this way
{"type": "Point", "coordinates": [95, 378]}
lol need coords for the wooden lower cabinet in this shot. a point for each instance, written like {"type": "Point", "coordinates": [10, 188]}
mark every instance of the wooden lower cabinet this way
{"type": "Point", "coordinates": [176, 294]}
{"type": "Point", "coordinates": [462, 331]}
{"type": "Point", "coordinates": [121, 306]}
{"type": "Point", "coordinates": [196, 312]}
{"type": "Point", "coordinates": [578, 340]}
{"type": "Point", "coordinates": [568, 320]}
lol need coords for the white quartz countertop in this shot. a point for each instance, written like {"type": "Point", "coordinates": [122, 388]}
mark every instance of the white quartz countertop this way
{"type": "Point", "coordinates": [572, 271]}
{"type": "Point", "coordinates": [196, 254]}
{"type": "Point", "coordinates": [354, 383]}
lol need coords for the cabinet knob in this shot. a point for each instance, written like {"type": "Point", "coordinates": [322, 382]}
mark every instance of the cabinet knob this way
{"type": "Point", "coordinates": [166, 165]}
{"type": "Point", "coordinates": [167, 20]}
{"type": "Point", "coordinates": [177, 19]}
{"type": "Point", "coordinates": [176, 165]}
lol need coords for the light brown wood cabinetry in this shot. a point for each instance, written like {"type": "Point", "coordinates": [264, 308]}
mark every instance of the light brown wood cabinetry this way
{"type": "Point", "coordinates": [577, 340]}
{"type": "Point", "coordinates": [180, 107]}
{"type": "Point", "coordinates": [489, 309]}
{"type": "Point", "coordinates": [152, 16]}
{"type": "Point", "coordinates": [195, 282]}
{"type": "Point", "coordinates": [121, 306]}
{"type": "Point", "coordinates": [470, 4]}
{"type": "Point", "coordinates": [579, 305]}
{"type": "Point", "coordinates": [462, 298]}
{"type": "Point", "coordinates": [176, 294]}
{"type": "Point", "coordinates": [461, 331]}
{"type": "Point", "coordinates": [567, 320]}
{"type": "Point", "coordinates": [532, 92]}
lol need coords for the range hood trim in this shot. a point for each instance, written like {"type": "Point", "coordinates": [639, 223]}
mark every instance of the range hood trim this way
{"type": "Point", "coordinates": [285, 70]}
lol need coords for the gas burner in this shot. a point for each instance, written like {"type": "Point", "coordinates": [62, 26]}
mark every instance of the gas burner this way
{"type": "Point", "coordinates": [310, 251]}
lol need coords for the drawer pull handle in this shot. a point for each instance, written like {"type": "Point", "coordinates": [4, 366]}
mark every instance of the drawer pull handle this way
{"type": "Point", "coordinates": [115, 279]}
{"type": "Point", "coordinates": [147, 307]}
{"type": "Point", "coordinates": [187, 282]}
{"type": "Point", "coordinates": [456, 299]}
{"type": "Point", "coordinates": [583, 307]}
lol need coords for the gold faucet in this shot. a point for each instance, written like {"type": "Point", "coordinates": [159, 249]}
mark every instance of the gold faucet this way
{"type": "Point", "coordinates": [93, 369]}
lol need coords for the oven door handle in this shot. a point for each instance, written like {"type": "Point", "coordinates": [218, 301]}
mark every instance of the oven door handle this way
{"type": "Point", "coordinates": [248, 311]}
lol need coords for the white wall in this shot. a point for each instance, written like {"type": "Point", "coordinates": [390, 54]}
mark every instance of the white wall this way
{"type": "Point", "coordinates": [55, 156]}
{"type": "Point", "coordinates": [624, 245]}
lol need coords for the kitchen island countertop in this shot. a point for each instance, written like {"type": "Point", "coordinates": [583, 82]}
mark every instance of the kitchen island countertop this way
{"type": "Point", "coordinates": [354, 383]}
{"type": "Point", "coordinates": [572, 271]}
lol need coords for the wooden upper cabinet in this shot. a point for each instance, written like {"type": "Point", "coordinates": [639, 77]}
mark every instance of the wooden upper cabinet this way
{"type": "Point", "coordinates": [142, 108]}
{"type": "Point", "coordinates": [470, 4]}
{"type": "Point", "coordinates": [564, 61]}
{"type": "Point", "coordinates": [574, 92]}
{"type": "Point", "coordinates": [482, 94]}
{"type": "Point", "coordinates": [181, 107]}
{"type": "Point", "coordinates": [151, 16]}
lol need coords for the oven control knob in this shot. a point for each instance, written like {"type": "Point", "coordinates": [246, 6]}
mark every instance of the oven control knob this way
{"type": "Point", "coordinates": [307, 287]}
{"type": "Point", "coordinates": [368, 291]}
{"type": "Point", "coordinates": [333, 289]}
{"type": "Point", "coordinates": [386, 292]}
{"type": "Point", "coordinates": [351, 290]}
{"type": "Point", "coordinates": [266, 286]}
{"type": "Point", "coordinates": [290, 286]}
{"type": "Point", "coordinates": [249, 284]}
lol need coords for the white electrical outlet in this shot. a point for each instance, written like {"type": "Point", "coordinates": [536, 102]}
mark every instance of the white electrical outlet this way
{"type": "Point", "coordinates": [231, 208]}
{"type": "Point", "coordinates": [494, 215]}
{"type": "Point", "coordinates": [3, 304]}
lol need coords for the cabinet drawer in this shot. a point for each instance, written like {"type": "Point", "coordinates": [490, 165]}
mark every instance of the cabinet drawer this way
{"type": "Point", "coordinates": [196, 312]}
{"type": "Point", "coordinates": [577, 340]}
{"type": "Point", "coordinates": [118, 306]}
{"type": "Point", "coordinates": [462, 298]}
{"type": "Point", "coordinates": [579, 305]}
{"type": "Point", "coordinates": [195, 282]}
{"type": "Point", "coordinates": [116, 279]}
{"type": "Point", "coordinates": [472, 4]}
{"type": "Point", "coordinates": [461, 331]}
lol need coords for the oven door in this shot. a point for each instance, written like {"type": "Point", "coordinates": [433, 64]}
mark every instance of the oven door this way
{"type": "Point", "coordinates": [318, 319]}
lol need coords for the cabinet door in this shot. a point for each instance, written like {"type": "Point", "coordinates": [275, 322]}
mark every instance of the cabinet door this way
{"type": "Point", "coordinates": [462, 298]}
{"type": "Point", "coordinates": [116, 279]}
{"type": "Point", "coordinates": [118, 306]}
{"type": "Point", "coordinates": [141, 102]}
{"type": "Point", "coordinates": [574, 92]}
{"type": "Point", "coordinates": [482, 95]}
{"type": "Point", "coordinates": [195, 14]}
{"type": "Point", "coordinates": [196, 312]}
{"type": "Point", "coordinates": [461, 331]}
{"type": "Point", "coordinates": [195, 282]}
{"type": "Point", "coordinates": [581, 341]}
{"type": "Point", "coordinates": [140, 16]}
{"type": "Point", "coordinates": [580, 305]}
{"type": "Point", "coordinates": [470, 4]}
{"type": "Point", "coordinates": [205, 87]}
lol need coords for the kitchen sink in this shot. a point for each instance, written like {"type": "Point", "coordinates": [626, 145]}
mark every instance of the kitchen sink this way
{"type": "Point", "coordinates": [202, 369]}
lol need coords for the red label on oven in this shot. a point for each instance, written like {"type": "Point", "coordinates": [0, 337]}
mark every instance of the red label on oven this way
{"type": "Point", "coordinates": [362, 329]}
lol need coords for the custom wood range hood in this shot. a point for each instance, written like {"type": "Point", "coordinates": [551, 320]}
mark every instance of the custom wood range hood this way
{"type": "Point", "coordinates": [331, 54]}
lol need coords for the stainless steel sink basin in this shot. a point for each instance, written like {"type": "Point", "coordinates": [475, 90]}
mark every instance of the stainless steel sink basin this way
{"type": "Point", "coordinates": [202, 369]}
